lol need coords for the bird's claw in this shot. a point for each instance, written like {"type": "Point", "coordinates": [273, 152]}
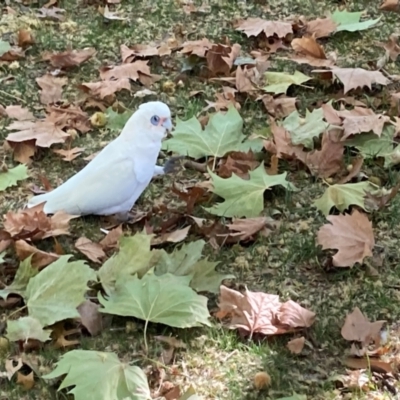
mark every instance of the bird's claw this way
{"type": "Point", "coordinates": [172, 164]}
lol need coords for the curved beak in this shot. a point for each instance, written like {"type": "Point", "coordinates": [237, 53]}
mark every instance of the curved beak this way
{"type": "Point", "coordinates": [167, 124]}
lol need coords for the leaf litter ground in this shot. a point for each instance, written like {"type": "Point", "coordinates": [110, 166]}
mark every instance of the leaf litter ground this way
{"type": "Point", "coordinates": [217, 362]}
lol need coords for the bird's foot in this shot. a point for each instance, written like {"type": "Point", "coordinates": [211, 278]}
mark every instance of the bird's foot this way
{"type": "Point", "coordinates": [172, 164]}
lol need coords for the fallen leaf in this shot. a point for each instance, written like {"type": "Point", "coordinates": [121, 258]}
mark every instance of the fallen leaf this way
{"type": "Point", "coordinates": [106, 13]}
{"type": "Point", "coordinates": [54, 13]}
{"type": "Point", "coordinates": [245, 229]}
{"type": "Point", "coordinates": [51, 88]}
{"type": "Point", "coordinates": [27, 381]}
{"type": "Point", "coordinates": [69, 58]}
{"type": "Point", "coordinates": [254, 26]}
{"type": "Point", "coordinates": [10, 177]}
{"type": "Point", "coordinates": [390, 5]}
{"type": "Point", "coordinates": [321, 27]}
{"type": "Point", "coordinates": [110, 241]}
{"type": "Point", "coordinates": [106, 88]}
{"type": "Point", "coordinates": [172, 341]}
{"type": "Point", "coordinates": [238, 163]}
{"type": "Point", "coordinates": [353, 125]}
{"type": "Point", "coordinates": [70, 154]}
{"type": "Point", "coordinates": [59, 335]}
{"type": "Point", "coordinates": [279, 107]}
{"type": "Point", "coordinates": [279, 82]}
{"type": "Point", "coordinates": [91, 318]}
{"type": "Point", "coordinates": [310, 52]}
{"type": "Point", "coordinates": [93, 251]}
{"type": "Point", "coordinates": [171, 237]}
{"type": "Point", "coordinates": [39, 259]}
{"type": "Point", "coordinates": [19, 113]}
{"type": "Point", "coordinates": [369, 364]}
{"type": "Point", "coordinates": [351, 235]}
{"type": "Point", "coordinates": [358, 328]}
{"type": "Point", "coordinates": [296, 345]}
{"type": "Point", "coordinates": [25, 38]}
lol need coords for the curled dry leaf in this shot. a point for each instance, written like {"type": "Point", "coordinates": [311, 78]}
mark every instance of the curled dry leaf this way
{"type": "Point", "coordinates": [358, 328]}
{"type": "Point", "coordinates": [39, 259]}
{"type": "Point", "coordinates": [296, 345]}
{"type": "Point", "coordinates": [351, 234]}
{"type": "Point", "coordinates": [69, 58]}
{"type": "Point", "coordinates": [257, 312]}
{"type": "Point", "coordinates": [171, 237]}
{"type": "Point", "coordinates": [93, 251]}
{"type": "Point", "coordinates": [310, 52]}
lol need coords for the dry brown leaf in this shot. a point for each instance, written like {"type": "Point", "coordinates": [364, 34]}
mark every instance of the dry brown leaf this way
{"type": "Point", "coordinates": [223, 100]}
{"type": "Point", "coordinates": [327, 161]}
{"type": "Point", "coordinates": [191, 196]}
{"type": "Point", "coordinates": [11, 369]}
{"type": "Point", "coordinates": [173, 342]}
{"type": "Point", "coordinates": [258, 312]}
{"type": "Point", "coordinates": [244, 78]}
{"type": "Point", "coordinates": [171, 237]}
{"type": "Point", "coordinates": [13, 54]}
{"type": "Point", "coordinates": [69, 58]}
{"type": "Point", "coordinates": [351, 235]}
{"type": "Point", "coordinates": [70, 154]}
{"type": "Point", "coordinates": [377, 202]}
{"type": "Point", "coordinates": [59, 336]}
{"type": "Point", "coordinates": [27, 381]}
{"type": "Point", "coordinates": [34, 224]}
{"type": "Point", "coordinates": [91, 318]}
{"type": "Point", "coordinates": [254, 26]}
{"type": "Point", "coordinates": [19, 113]}
{"type": "Point", "coordinates": [70, 116]}
{"type": "Point", "coordinates": [51, 88]}
{"type": "Point", "coordinates": [40, 258]}
{"type": "Point", "coordinates": [296, 345]}
{"type": "Point", "coordinates": [279, 107]}
{"type": "Point", "coordinates": [356, 164]}
{"type": "Point", "coordinates": [390, 5]}
{"type": "Point", "coordinates": [25, 38]}
{"type": "Point", "coordinates": [197, 47]}
{"type": "Point", "coordinates": [220, 58]}
{"type": "Point", "coordinates": [22, 151]}
{"type": "Point", "coordinates": [110, 241]}
{"type": "Point", "coordinates": [321, 27]}
{"type": "Point", "coordinates": [247, 228]}
{"type": "Point", "coordinates": [128, 54]}
{"type": "Point", "coordinates": [93, 251]}
{"type": "Point", "coordinates": [106, 88]}
{"type": "Point", "coordinates": [358, 328]}
{"type": "Point", "coordinates": [353, 78]}
{"type": "Point", "coordinates": [369, 364]}
{"type": "Point", "coordinates": [353, 125]}
{"type": "Point", "coordinates": [357, 379]}
{"type": "Point", "coordinates": [310, 52]}
{"type": "Point", "coordinates": [45, 131]}
{"type": "Point", "coordinates": [131, 71]}
{"type": "Point", "coordinates": [331, 115]}
{"type": "Point", "coordinates": [238, 163]}
{"type": "Point", "coordinates": [392, 47]}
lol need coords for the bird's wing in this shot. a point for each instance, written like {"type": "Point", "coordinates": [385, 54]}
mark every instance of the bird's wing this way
{"type": "Point", "coordinates": [99, 186]}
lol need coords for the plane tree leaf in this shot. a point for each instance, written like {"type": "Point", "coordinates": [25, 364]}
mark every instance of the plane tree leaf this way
{"type": "Point", "coordinates": [166, 299]}
{"type": "Point", "coordinates": [279, 82]}
{"type": "Point", "coordinates": [186, 262]}
{"type": "Point", "coordinates": [4, 47]}
{"type": "Point", "coordinates": [350, 21]}
{"type": "Point", "coordinates": [26, 328]}
{"type": "Point", "coordinates": [133, 257]}
{"type": "Point", "coordinates": [55, 293]}
{"type": "Point", "coordinates": [222, 134]}
{"type": "Point", "coordinates": [343, 196]}
{"type": "Point", "coordinates": [11, 176]}
{"type": "Point", "coordinates": [116, 121]}
{"type": "Point", "coordinates": [244, 198]}
{"type": "Point", "coordinates": [303, 130]}
{"type": "Point", "coordinates": [101, 376]}
{"type": "Point", "coordinates": [24, 273]}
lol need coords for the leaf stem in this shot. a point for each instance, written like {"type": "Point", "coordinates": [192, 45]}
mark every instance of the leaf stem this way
{"type": "Point", "coordinates": [12, 96]}
{"type": "Point", "coordinates": [16, 311]}
{"type": "Point", "coordinates": [144, 336]}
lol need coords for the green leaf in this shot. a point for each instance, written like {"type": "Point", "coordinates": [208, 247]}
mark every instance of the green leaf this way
{"type": "Point", "coordinates": [54, 293]}
{"type": "Point", "coordinates": [245, 198]}
{"type": "Point", "coordinates": [302, 131]}
{"type": "Point", "coordinates": [166, 299]}
{"type": "Point", "coordinates": [115, 121]}
{"type": "Point", "coordinates": [279, 82]}
{"type": "Point", "coordinates": [2, 255]}
{"type": "Point", "coordinates": [350, 21]}
{"type": "Point", "coordinates": [295, 396]}
{"type": "Point", "coordinates": [24, 273]}
{"type": "Point", "coordinates": [371, 145]}
{"type": "Point", "coordinates": [186, 262]}
{"type": "Point", "coordinates": [12, 176]}
{"type": "Point", "coordinates": [4, 47]}
{"type": "Point", "coordinates": [222, 134]}
{"type": "Point", "coordinates": [393, 158]}
{"type": "Point", "coordinates": [101, 376]}
{"type": "Point", "coordinates": [133, 257]}
{"type": "Point", "coordinates": [26, 328]}
{"type": "Point", "coordinates": [342, 196]}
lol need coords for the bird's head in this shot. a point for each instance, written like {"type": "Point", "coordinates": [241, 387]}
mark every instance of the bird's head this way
{"type": "Point", "coordinates": [151, 121]}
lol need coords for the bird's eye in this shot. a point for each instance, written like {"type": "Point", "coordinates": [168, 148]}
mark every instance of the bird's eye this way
{"type": "Point", "coordinates": [155, 120]}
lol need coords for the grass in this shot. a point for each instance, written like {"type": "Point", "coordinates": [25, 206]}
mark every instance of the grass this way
{"type": "Point", "coordinates": [218, 363]}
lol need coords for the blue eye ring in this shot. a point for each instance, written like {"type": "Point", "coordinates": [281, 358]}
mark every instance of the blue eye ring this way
{"type": "Point", "coordinates": [155, 119]}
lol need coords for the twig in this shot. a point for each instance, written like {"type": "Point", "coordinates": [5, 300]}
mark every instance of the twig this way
{"type": "Point", "coordinates": [12, 96]}
{"type": "Point", "coordinates": [201, 167]}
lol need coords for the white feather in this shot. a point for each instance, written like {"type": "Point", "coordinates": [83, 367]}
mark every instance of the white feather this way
{"type": "Point", "coordinates": [117, 176]}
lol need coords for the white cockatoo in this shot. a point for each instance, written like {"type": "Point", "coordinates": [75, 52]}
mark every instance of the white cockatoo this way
{"type": "Point", "coordinates": [112, 182]}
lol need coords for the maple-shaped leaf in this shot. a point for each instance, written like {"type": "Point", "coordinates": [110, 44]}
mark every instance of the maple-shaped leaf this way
{"type": "Point", "coordinates": [70, 154]}
{"type": "Point", "coordinates": [4, 47]}
{"type": "Point", "coordinates": [153, 300]}
{"type": "Point", "coordinates": [304, 130]}
{"type": "Point", "coordinates": [39, 257]}
{"type": "Point", "coordinates": [258, 312]}
{"type": "Point", "coordinates": [358, 328]}
{"type": "Point", "coordinates": [103, 89]}
{"type": "Point", "coordinates": [93, 251]}
{"type": "Point", "coordinates": [100, 375]}
{"type": "Point", "coordinates": [133, 257]}
{"type": "Point", "coordinates": [24, 273]}
{"type": "Point", "coordinates": [51, 88]}
{"type": "Point", "coordinates": [353, 125]}
{"type": "Point", "coordinates": [186, 262]}
{"type": "Point", "coordinates": [19, 113]}
{"type": "Point", "coordinates": [321, 27]}
{"type": "Point", "coordinates": [351, 235]}
{"type": "Point", "coordinates": [343, 196]}
{"type": "Point", "coordinates": [350, 21]}
{"type": "Point", "coordinates": [371, 146]}
{"type": "Point", "coordinates": [309, 51]}
{"type": "Point", "coordinates": [10, 177]}
{"type": "Point", "coordinates": [222, 134]}
{"type": "Point", "coordinates": [55, 293]}
{"type": "Point", "coordinates": [279, 82]}
{"type": "Point", "coordinates": [353, 78]}
{"type": "Point", "coordinates": [116, 121]}
{"type": "Point", "coordinates": [26, 328]}
{"type": "Point", "coordinates": [46, 132]}
{"type": "Point", "coordinates": [244, 198]}
{"type": "Point", "coordinates": [254, 26]}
